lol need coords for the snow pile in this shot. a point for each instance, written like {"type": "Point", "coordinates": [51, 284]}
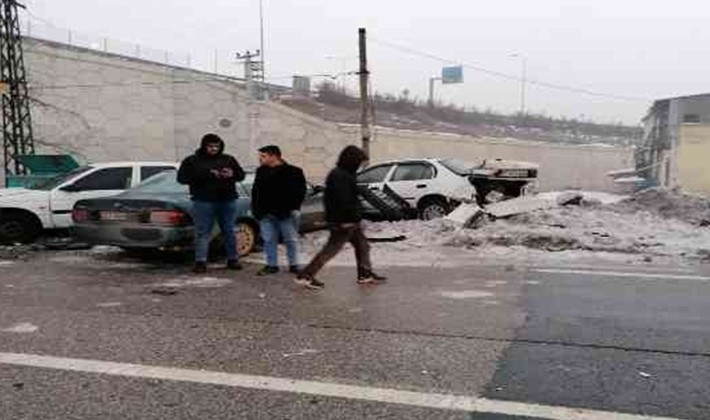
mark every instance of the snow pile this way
{"type": "Point", "coordinates": [669, 205]}
{"type": "Point", "coordinates": [595, 229]}
{"type": "Point", "coordinates": [649, 226]}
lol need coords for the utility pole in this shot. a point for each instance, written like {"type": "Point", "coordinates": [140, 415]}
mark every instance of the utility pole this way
{"type": "Point", "coordinates": [523, 79]}
{"type": "Point", "coordinates": [261, 35]}
{"type": "Point", "coordinates": [251, 68]}
{"type": "Point", "coordinates": [16, 118]}
{"type": "Point", "coordinates": [364, 95]}
{"type": "Point", "coordinates": [432, 80]}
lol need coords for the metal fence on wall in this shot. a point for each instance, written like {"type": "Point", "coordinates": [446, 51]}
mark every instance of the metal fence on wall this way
{"type": "Point", "coordinates": [213, 61]}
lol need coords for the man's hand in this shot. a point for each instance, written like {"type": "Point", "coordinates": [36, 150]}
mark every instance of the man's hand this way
{"type": "Point", "coordinates": [222, 173]}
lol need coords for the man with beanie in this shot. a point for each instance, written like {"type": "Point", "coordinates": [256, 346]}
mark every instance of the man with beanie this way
{"type": "Point", "coordinates": [343, 216]}
{"type": "Point", "coordinates": [276, 198]}
{"type": "Point", "coordinates": [211, 175]}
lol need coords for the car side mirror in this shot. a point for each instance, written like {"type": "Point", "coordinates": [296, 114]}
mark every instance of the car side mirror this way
{"type": "Point", "coordinates": [69, 188]}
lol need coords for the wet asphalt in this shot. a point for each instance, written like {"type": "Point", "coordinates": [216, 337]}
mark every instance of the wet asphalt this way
{"type": "Point", "coordinates": [511, 333]}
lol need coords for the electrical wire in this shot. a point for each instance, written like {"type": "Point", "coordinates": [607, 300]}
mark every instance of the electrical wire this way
{"type": "Point", "coordinates": [506, 76]}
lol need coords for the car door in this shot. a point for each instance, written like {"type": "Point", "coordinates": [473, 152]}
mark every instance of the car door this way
{"type": "Point", "coordinates": [373, 178]}
{"type": "Point", "coordinates": [312, 210]}
{"type": "Point", "coordinates": [412, 181]}
{"type": "Point", "coordinates": [101, 182]}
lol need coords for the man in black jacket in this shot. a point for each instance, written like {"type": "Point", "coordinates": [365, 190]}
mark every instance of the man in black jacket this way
{"type": "Point", "coordinates": [276, 198]}
{"type": "Point", "coordinates": [211, 175]}
{"type": "Point", "coordinates": [343, 215]}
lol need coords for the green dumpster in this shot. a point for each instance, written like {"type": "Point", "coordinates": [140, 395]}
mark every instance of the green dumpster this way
{"type": "Point", "coordinates": [41, 167]}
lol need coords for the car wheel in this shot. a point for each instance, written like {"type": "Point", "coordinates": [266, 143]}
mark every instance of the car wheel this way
{"type": "Point", "coordinates": [20, 228]}
{"type": "Point", "coordinates": [435, 208]}
{"type": "Point", "coordinates": [246, 238]}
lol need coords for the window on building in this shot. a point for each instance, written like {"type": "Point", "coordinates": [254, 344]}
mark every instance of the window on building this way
{"type": "Point", "coordinates": [691, 118]}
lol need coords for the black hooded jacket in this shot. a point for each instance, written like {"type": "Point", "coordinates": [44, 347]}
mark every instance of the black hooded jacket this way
{"type": "Point", "coordinates": [209, 176]}
{"type": "Point", "coordinates": [341, 196]}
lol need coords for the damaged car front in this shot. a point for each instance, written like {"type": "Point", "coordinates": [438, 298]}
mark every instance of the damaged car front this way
{"type": "Point", "coordinates": [498, 179]}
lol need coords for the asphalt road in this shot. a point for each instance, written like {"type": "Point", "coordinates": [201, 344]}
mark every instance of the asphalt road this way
{"type": "Point", "coordinates": [505, 342]}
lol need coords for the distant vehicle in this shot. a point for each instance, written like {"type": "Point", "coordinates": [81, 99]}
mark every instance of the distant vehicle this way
{"type": "Point", "coordinates": [434, 187]}
{"type": "Point", "coordinates": [156, 215]}
{"type": "Point", "coordinates": [47, 204]}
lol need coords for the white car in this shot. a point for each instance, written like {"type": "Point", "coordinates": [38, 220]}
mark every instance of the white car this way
{"type": "Point", "coordinates": [26, 212]}
{"type": "Point", "coordinates": [436, 186]}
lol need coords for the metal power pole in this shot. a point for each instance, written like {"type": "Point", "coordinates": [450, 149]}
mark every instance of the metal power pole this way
{"type": "Point", "coordinates": [432, 80]}
{"type": "Point", "coordinates": [261, 37]}
{"type": "Point", "coordinates": [364, 94]}
{"type": "Point", "coordinates": [253, 71]}
{"type": "Point", "coordinates": [16, 118]}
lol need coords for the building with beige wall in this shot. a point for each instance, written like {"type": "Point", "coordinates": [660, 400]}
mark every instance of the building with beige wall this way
{"type": "Point", "coordinates": [677, 144]}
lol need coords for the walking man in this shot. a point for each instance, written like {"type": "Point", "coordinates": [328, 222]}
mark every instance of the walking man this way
{"type": "Point", "coordinates": [343, 215]}
{"type": "Point", "coordinates": [276, 198]}
{"type": "Point", "coordinates": [211, 175]}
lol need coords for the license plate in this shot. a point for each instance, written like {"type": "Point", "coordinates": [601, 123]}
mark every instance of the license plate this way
{"type": "Point", "coordinates": [113, 215]}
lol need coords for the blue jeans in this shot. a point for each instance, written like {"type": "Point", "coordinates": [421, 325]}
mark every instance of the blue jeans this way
{"type": "Point", "coordinates": [204, 214]}
{"type": "Point", "coordinates": [271, 229]}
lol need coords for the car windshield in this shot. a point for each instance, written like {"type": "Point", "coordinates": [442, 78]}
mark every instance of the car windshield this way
{"type": "Point", "coordinates": [166, 182]}
{"type": "Point", "coordinates": [456, 166]}
{"type": "Point", "coordinates": [51, 183]}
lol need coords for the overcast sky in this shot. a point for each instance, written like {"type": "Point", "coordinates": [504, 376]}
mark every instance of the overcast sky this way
{"type": "Point", "coordinates": [631, 48]}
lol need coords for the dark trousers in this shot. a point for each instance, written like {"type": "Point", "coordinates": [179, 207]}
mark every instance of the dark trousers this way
{"type": "Point", "coordinates": [339, 236]}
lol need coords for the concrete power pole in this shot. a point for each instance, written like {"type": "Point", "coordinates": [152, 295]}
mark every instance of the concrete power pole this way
{"type": "Point", "coordinates": [364, 94]}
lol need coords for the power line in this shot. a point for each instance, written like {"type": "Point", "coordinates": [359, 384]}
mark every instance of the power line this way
{"type": "Point", "coordinates": [507, 76]}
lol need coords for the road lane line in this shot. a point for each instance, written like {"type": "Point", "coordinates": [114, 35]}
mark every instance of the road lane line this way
{"type": "Point", "coordinates": [624, 274]}
{"type": "Point", "coordinates": [609, 267]}
{"type": "Point", "coordinates": [324, 389]}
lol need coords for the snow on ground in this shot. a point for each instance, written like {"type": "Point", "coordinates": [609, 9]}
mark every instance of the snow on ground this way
{"type": "Point", "coordinates": [652, 226]}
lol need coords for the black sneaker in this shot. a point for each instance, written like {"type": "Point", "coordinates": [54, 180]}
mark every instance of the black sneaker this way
{"type": "Point", "coordinates": [234, 265]}
{"type": "Point", "coordinates": [371, 279]}
{"type": "Point", "coordinates": [267, 270]}
{"type": "Point", "coordinates": [314, 284]}
{"type": "Point", "coordinates": [199, 267]}
{"type": "Point", "coordinates": [302, 280]}
{"type": "Point", "coordinates": [294, 269]}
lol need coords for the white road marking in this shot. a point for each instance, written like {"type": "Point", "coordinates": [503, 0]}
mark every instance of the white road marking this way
{"type": "Point", "coordinates": [200, 282]}
{"type": "Point", "coordinates": [465, 294]}
{"type": "Point", "coordinates": [625, 274]}
{"type": "Point", "coordinates": [6, 263]}
{"type": "Point", "coordinates": [494, 283]}
{"type": "Point", "coordinates": [109, 304]}
{"type": "Point", "coordinates": [324, 389]}
{"type": "Point", "coordinates": [642, 268]}
{"type": "Point", "coordinates": [303, 352]}
{"type": "Point", "coordinates": [21, 328]}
